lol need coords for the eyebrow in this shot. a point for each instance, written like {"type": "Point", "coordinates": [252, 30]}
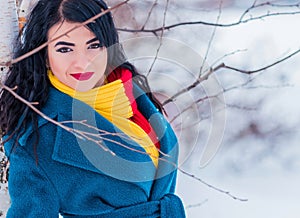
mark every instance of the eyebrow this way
{"type": "Point", "coordinates": [72, 44]}
{"type": "Point", "coordinates": [64, 43]}
{"type": "Point", "coordinates": [92, 40]}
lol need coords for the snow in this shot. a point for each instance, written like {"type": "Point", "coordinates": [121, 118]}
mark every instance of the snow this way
{"type": "Point", "coordinates": [259, 156]}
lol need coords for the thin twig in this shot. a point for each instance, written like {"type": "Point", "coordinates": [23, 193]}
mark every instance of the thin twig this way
{"type": "Point", "coordinates": [241, 20]}
{"type": "Point", "coordinates": [161, 37]}
{"type": "Point", "coordinates": [196, 205]}
{"type": "Point", "coordinates": [210, 186]}
{"type": "Point", "coordinates": [262, 68]}
{"type": "Point", "coordinates": [211, 39]}
{"type": "Point", "coordinates": [224, 66]}
{"type": "Point", "coordinates": [227, 55]}
{"type": "Point", "coordinates": [149, 14]}
{"type": "Point", "coordinates": [85, 136]}
{"type": "Point", "coordinates": [194, 84]}
{"type": "Point", "coordinates": [271, 4]}
{"type": "Point", "coordinates": [226, 90]}
{"type": "Point", "coordinates": [101, 133]}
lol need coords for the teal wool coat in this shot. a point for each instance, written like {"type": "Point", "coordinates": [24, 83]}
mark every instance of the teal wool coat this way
{"type": "Point", "coordinates": [68, 175]}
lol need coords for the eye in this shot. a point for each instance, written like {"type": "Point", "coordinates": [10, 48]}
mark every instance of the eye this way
{"type": "Point", "coordinates": [64, 50]}
{"type": "Point", "coordinates": [95, 46]}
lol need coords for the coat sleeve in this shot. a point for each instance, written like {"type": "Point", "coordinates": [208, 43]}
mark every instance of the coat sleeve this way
{"type": "Point", "coordinates": [31, 192]}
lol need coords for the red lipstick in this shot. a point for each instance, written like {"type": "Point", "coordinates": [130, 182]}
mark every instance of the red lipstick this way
{"type": "Point", "coordinates": [82, 76]}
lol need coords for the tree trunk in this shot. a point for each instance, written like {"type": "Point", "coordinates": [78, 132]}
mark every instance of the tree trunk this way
{"type": "Point", "coordinates": [9, 31]}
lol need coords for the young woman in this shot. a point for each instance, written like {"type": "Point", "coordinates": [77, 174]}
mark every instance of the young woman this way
{"type": "Point", "coordinates": [125, 164]}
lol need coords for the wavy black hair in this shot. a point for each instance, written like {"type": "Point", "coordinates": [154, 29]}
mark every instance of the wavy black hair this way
{"type": "Point", "coordinates": [30, 75]}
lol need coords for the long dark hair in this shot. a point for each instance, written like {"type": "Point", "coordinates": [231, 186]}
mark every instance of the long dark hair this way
{"type": "Point", "coordinates": [30, 74]}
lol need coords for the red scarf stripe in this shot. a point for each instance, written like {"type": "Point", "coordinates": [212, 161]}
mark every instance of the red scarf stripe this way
{"type": "Point", "coordinates": [125, 75]}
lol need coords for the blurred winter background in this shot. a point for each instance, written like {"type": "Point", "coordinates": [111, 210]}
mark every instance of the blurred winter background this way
{"type": "Point", "coordinates": [259, 156]}
{"type": "Point", "coordinates": [252, 127]}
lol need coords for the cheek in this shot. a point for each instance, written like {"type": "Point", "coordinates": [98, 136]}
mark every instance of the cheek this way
{"type": "Point", "coordinates": [104, 58]}
{"type": "Point", "coordinates": [52, 60]}
{"type": "Point", "coordinates": [101, 60]}
{"type": "Point", "coordinates": [56, 63]}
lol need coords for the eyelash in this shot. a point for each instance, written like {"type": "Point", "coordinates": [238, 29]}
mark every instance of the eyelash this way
{"type": "Point", "coordinates": [95, 46]}
{"type": "Point", "coordinates": [64, 50]}
{"type": "Point", "coordinates": [92, 46]}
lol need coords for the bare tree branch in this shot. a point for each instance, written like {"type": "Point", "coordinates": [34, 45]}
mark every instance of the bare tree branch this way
{"type": "Point", "coordinates": [149, 14]}
{"type": "Point", "coordinates": [224, 66]}
{"type": "Point", "coordinates": [161, 36]}
{"type": "Point", "coordinates": [84, 135]}
{"type": "Point", "coordinates": [211, 39]}
{"type": "Point", "coordinates": [268, 3]}
{"type": "Point", "coordinates": [227, 55]}
{"type": "Point", "coordinates": [241, 20]}
{"type": "Point", "coordinates": [262, 68]}
{"type": "Point", "coordinates": [97, 138]}
{"type": "Point", "coordinates": [193, 85]}
{"type": "Point", "coordinates": [212, 187]}
{"type": "Point", "coordinates": [196, 205]}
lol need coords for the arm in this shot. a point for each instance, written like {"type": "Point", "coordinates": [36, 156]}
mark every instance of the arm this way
{"type": "Point", "coordinates": [31, 192]}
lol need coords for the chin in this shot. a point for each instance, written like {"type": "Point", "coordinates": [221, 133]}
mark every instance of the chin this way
{"type": "Point", "coordinates": [83, 89]}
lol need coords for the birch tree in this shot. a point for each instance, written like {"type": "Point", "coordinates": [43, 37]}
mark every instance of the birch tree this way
{"type": "Point", "coordinates": [8, 30]}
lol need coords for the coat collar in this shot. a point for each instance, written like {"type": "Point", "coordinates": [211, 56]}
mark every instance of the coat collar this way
{"type": "Point", "coordinates": [126, 164]}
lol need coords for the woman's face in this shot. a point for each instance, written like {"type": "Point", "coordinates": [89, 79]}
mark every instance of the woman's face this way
{"type": "Point", "coordinates": [77, 58]}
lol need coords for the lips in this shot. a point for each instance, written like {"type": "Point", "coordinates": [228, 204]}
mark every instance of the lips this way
{"type": "Point", "coordinates": [82, 76]}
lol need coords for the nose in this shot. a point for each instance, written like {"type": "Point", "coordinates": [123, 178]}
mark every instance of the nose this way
{"type": "Point", "coordinates": [81, 62]}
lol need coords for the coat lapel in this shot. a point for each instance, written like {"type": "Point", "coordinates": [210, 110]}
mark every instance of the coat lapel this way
{"type": "Point", "coordinates": [112, 154]}
{"type": "Point", "coordinates": [167, 167]}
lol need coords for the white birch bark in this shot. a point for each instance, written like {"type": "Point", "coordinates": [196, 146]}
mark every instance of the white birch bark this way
{"type": "Point", "coordinates": [25, 7]}
{"type": "Point", "coordinates": [8, 32]}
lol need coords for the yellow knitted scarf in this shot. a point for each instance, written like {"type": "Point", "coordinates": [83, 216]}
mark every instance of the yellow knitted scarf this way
{"type": "Point", "coordinates": [111, 102]}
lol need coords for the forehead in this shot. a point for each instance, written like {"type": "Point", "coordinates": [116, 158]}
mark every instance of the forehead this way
{"type": "Point", "coordinates": [80, 33]}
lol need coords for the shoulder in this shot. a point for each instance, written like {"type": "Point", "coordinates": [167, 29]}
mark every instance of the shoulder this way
{"type": "Point", "coordinates": [56, 101]}
{"type": "Point", "coordinates": [145, 105]}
